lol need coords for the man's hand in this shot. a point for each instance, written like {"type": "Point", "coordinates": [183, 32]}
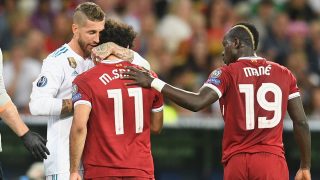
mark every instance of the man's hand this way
{"type": "Point", "coordinates": [35, 144]}
{"type": "Point", "coordinates": [104, 50]}
{"type": "Point", "coordinates": [141, 77]}
{"type": "Point", "coordinates": [303, 174]}
{"type": "Point", "coordinates": [75, 176]}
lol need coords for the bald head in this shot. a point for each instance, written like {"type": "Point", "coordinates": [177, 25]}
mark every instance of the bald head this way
{"type": "Point", "coordinates": [87, 11]}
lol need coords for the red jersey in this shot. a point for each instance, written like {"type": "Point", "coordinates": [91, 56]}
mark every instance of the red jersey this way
{"type": "Point", "coordinates": [118, 129]}
{"type": "Point", "coordinates": [254, 94]}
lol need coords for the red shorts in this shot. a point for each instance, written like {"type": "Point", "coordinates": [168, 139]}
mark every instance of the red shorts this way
{"type": "Point", "coordinates": [262, 166]}
{"type": "Point", "coordinates": [121, 178]}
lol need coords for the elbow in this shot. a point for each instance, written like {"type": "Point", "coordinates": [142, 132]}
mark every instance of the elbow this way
{"type": "Point", "coordinates": [156, 131]}
{"type": "Point", "coordinates": [34, 110]}
{"type": "Point", "coordinates": [195, 107]}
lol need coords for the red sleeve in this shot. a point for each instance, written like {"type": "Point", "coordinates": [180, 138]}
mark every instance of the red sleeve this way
{"type": "Point", "coordinates": [294, 90]}
{"type": "Point", "coordinates": [81, 93]}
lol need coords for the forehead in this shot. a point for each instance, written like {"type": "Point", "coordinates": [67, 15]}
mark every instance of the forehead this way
{"type": "Point", "coordinates": [94, 25]}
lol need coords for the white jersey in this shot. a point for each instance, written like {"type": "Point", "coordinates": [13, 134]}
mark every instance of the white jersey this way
{"type": "Point", "coordinates": [53, 85]}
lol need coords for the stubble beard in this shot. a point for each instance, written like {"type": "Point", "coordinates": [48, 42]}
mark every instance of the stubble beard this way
{"type": "Point", "coordinates": [82, 45]}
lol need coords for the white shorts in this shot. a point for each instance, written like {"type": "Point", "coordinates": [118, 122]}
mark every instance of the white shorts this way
{"type": "Point", "coordinates": [62, 176]}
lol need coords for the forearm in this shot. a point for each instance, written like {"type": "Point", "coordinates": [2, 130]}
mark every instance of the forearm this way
{"type": "Point", "coordinates": [303, 139]}
{"type": "Point", "coordinates": [77, 141]}
{"type": "Point", "coordinates": [11, 117]}
{"type": "Point", "coordinates": [67, 108]}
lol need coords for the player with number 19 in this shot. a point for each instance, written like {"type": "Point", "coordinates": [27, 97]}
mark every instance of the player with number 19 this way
{"type": "Point", "coordinates": [254, 95]}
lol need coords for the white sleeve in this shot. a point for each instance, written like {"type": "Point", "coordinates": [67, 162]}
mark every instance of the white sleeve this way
{"type": "Point", "coordinates": [45, 89]}
{"type": "Point", "coordinates": [4, 97]}
{"type": "Point", "coordinates": [140, 61]}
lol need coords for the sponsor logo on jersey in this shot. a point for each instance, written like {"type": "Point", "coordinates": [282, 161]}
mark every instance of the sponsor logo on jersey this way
{"type": "Point", "coordinates": [214, 81]}
{"type": "Point", "coordinates": [75, 73]}
{"type": "Point", "coordinates": [216, 73]}
{"type": "Point", "coordinates": [72, 62]}
{"type": "Point", "coordinates": [76, 97]}
{"type": "Point", "coordinates": [42, 81]}
{"type": "Point", "coordinates": [74, 89]}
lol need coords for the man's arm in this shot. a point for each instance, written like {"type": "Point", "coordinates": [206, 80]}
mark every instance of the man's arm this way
{"type": "Point", "coordinates": [78, 135]}
{"type": "Point", "coordinates": [302, 135]}
{"type": "Point", "coordinates": [189, 100]}
{"type": "Point", "coordinates": [104, 50]}
{"type": "Point", "coordinates": [45, 88]}
{"type": "Point", "coordinates": [156, 122]}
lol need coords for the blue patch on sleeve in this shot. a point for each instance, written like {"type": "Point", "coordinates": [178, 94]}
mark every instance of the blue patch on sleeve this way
{"type": "Point", "coordinates": [42, 81]}
{"type": "Point", "coordinates": [76, 97]}
{"type": "Point", "coordinates": [214, 81]}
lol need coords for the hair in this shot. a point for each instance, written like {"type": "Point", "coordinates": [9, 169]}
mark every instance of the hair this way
{"type": "Point", "coordinates": [119, 33]}
{"type": "Point", "coordinates": [246, 33]}
{"type": "Point", "coordinates": [88, 10]}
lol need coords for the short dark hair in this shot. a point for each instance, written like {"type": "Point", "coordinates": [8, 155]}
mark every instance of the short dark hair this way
{"type": "Point", "coordinates": [88, 10]}
{"type": "Point", "coordinates": [247, 33]}
{"type": "Point", "coordinates": [117, 32]}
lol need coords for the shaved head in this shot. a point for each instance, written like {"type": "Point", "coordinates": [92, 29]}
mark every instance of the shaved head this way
{"type": "Point", "coordinates": [87, 11]}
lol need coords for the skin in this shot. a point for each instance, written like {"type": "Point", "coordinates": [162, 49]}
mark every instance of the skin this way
{"type": "Point", "coordinates": [233, 49]}
{"type": "Point", "coordinates": [78, 133]}
{"type": "Point", "coordinates": [85, 37]}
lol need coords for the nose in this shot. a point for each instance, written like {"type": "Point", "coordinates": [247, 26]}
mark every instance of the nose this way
{"type": "Point", "coordinates": [96, 38]}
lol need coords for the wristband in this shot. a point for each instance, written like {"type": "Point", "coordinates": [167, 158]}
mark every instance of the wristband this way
{"type": "Point", "coordinates": [157, 84]}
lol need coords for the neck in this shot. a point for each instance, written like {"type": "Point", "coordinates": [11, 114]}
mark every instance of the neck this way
{"type": "Point", "coordinates": [247, 52]}
{"type": "Point", "coordinates": [74, 45]}
{"type": "Point", "coordinates": [112, 57]}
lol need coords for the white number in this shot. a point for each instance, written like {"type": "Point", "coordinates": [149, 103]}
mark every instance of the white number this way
{"type": "Point", "coordinates": [116, 94]}
{"type": "Point", "coordinates": [275, 106]}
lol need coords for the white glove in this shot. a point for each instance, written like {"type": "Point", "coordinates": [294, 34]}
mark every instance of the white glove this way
{"type": "Point", "coordinates": [4, 97]}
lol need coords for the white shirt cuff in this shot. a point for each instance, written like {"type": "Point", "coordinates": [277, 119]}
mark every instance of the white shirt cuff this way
{"type": "Point", "coordinates": [213, 88]}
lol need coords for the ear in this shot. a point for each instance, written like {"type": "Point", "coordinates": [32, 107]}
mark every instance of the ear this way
{"type": "Point", "coordinates": [75, 28]}
{"type": "Point", "coordinates": [236, 43]}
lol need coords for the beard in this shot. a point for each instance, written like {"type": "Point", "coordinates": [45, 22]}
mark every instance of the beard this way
{"type": "Point", "coordinates": [83, 46]}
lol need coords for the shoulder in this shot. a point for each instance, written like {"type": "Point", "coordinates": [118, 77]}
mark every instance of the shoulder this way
{"type": "Point", "coordinates": [57, 56]}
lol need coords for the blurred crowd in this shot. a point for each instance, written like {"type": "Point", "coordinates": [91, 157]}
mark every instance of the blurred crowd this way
{"type": "Point", "coordinates": [182, 40]}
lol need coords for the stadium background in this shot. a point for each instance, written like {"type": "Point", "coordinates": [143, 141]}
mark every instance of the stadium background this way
{"type": "Point", "coordinates": [182, 41]}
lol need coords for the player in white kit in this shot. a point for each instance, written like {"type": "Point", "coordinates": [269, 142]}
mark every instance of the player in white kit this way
{"type": "Point", "coordinates": [51, 93]}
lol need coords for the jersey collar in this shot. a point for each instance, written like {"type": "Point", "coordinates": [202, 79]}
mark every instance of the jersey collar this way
{"type": "Point", "coordinates": [251, 58]}
{"type": "Point", "coordinates": [113, 61]}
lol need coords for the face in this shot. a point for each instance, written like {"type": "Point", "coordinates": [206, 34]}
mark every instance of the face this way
{"type": "Point", "coordinates": [88, 35]}
{"type": "Point", "coordinates": [229, 51]}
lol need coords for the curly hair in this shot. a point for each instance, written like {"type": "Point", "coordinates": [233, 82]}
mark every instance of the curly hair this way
{"type": "Point", "coordinates": [117, 32]}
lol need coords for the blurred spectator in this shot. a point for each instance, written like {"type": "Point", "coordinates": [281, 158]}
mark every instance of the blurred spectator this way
{"type": "Point", "coordinates": [175, 27]}
{"type": "Point", "coordinates": [315, 113]}
{"type": "Point", "coordinates": [43, 16]}
{"type": "Point", "coordinates": [108, 7]}
{"type": "Point", "coordinates": [264, 17]}
{"type": "Point", "coordinates": [35, 172]}
{"type": "Point", "coordinates": [20, 71]}
{"type": "Point", "coordinates": [275, 45]}
{"type": "Point", "coordinates": [9, 8]}
{"type": "Point", "coordinates": [61, 32]}
{"type": "Point", "coordinates": [300, 10]}
{"type": "Point", "coordinates": [314, 48]}
{"type": "Point", "coordinates": [34, 44]}
{"type": "Point", "coordinates": [148, 26]}
{"type": "Point", "coordinates": [218, 14]}
{"type": "Point", "coordinates": [298, 64]}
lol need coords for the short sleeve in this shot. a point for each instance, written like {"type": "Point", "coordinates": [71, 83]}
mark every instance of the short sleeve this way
{"type": "Point", "coordinates": [218, 81]}
{"type": "Point", "coordinates": [294, 90]}
{"type": "Point", "coordinates": [81, 93]}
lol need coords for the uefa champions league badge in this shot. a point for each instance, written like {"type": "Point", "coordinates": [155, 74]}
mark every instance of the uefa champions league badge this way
{"type": "Point", "coordinates": [74, 89]}
{"type": "Point", "coordinates": [42, 81]}
{"type": "Point", "coordinates": [216, 73]}
{"type": "Point", "coordinates": [214, 77]}
{"type": "Point", "coordinates": [72, 62]}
